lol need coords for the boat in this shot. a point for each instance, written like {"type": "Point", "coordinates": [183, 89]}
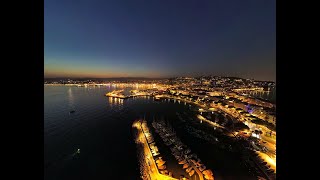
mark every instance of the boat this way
{"type": "Point", "coordinates": [180, 159]}
{"type": "Point", "coordinates": [185, 166]}
{"type": "Point", "coordinates": [163, 167]}
{"type": "Point", "coordinates": [187, 151]}
{"type": "Point", "coordinates": [193, 156]}
{"type": "Point", "coordinates": [208, 174]}
{"type": "Point", "coordinates": [191, 172]}
{"type": "Point", "coordinates": [72, 111]}
{"type": "Point", "coordinates": [77, 152]}
{"type": "Point", "coordinates": [182, 162]}
{"type": "Point", "coordinates": [160, 163]}
{"type": "Point", "coordinates": [189, 169]}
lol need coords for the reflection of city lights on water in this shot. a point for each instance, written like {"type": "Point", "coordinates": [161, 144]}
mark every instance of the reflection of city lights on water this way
{"type": "Point", "coordinates": [110, 100]}
{"type": "Point", "coordinates": [113, 100]}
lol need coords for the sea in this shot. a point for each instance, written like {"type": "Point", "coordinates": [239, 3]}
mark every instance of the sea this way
{"type": "Point", "coordinates": [264, 95]}
{"type": "Point", "coordinates": [101, 128]}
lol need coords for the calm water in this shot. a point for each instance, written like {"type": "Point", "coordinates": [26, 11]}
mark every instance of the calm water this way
{"type": "Point", "coordinates": [267, 95]}
{"type": "Point", "coordinates": [101, 128]}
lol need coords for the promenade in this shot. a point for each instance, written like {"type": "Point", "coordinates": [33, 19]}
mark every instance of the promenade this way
{"type": "Point", "coordinates": [152, 167]}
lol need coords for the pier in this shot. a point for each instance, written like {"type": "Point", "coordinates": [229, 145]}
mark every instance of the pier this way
{"type": "Point", "coordinates": [152, 169]}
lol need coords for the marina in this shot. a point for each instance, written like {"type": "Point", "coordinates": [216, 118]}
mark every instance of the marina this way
{"type": "Point", "coordinates": [152, 164]}
{"type": "Point", "coordinates": [191, 163]}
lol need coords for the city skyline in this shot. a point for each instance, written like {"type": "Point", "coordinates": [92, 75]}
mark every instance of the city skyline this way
{"type": "Point", "coordinates": [160, 39]}
{"type": "Point", "coordinates": [150, 78]}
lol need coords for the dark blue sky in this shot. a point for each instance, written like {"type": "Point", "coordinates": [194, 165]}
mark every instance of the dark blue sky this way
{"type": "Point", "coordinates": [160, 38]}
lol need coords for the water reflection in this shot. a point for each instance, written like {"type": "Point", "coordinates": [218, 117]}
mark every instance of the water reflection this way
{"type": "Point", "coordinates": [115, 101]}
{"type": "Point", "coordinates": [267, 95]}
{"type": "Point", "coordinates": [70, 98]}
{"type": "Point", "coordinates": [110, 99]}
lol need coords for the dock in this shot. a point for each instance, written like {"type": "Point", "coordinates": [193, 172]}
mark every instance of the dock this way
{"type": "Point", "coordinates": [148, 158]}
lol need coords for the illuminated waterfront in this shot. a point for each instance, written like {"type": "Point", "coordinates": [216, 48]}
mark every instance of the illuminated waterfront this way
{"type": "Point", "coordinates": [267, 95]}
{"type": "Point", "coordinates": [101, 128]}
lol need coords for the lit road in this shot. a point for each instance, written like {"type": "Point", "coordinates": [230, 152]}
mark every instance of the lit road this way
{"type": "Point", "coordinates": [210, 122]}
{"type": "Point", "coordinates": [268, 139]}
{"type": "Point", "coordinates": [152, 167]}
{"type": "Point", "coordinates": [266, 158]}
{"type": "Point", "coordinates": [269, 145]}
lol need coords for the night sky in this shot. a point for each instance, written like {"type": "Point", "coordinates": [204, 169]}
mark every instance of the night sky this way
{"type": "Point", "coordinates": [160, 38]}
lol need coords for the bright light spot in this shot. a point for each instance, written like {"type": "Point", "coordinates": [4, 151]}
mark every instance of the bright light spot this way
{"type": "Point", "coordinates": [255, 135]}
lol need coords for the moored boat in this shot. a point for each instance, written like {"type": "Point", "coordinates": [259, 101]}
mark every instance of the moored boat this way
{"type": "Point", "coordinates": [185, 166]}
{"type": "Point", "coordinates": [191, 172]}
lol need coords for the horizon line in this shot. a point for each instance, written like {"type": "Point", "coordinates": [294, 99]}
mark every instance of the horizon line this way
{"type": "Point", "coordinates": [153, 77]}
